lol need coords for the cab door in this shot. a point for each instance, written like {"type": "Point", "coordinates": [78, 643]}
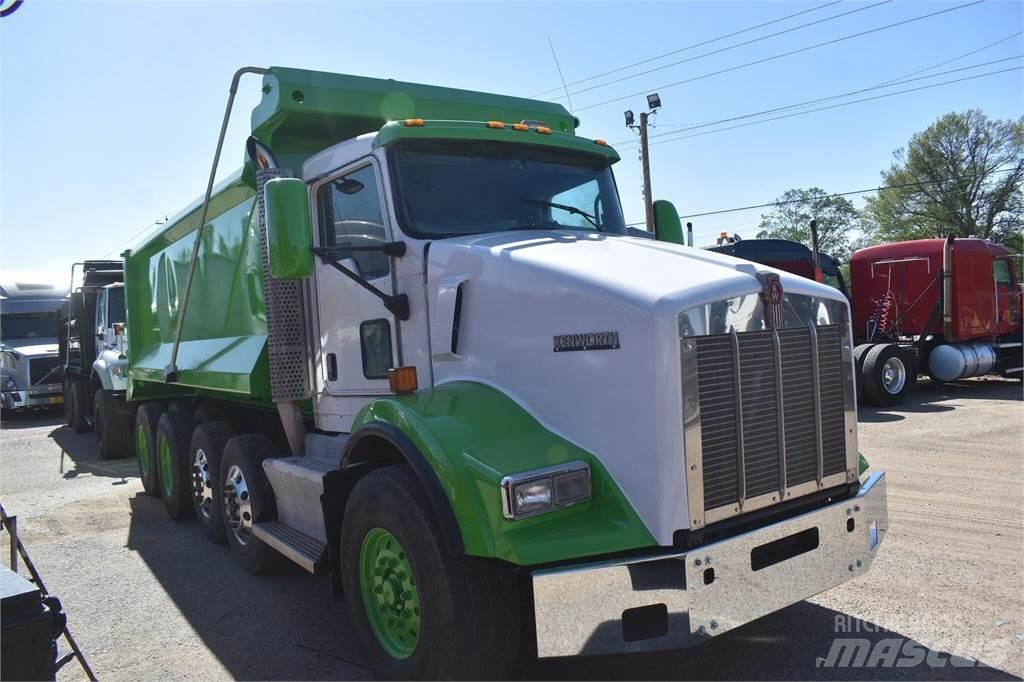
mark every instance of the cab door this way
{"type": "Point", "coordinates": [1008, 296]}
{"type": "Point", "coordinates": [357, 333]}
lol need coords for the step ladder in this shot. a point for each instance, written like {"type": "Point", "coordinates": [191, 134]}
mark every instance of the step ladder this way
{"type": "Point", "coordinates": [10, 524]}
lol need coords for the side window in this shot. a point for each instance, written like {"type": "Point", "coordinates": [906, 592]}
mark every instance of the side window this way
{"type": "Point", "coordinates": [101, 308]}
{"type": "Point", "coordinates": [375, 342]}
{"type": "Point", "coordinates": [350, 215]}
{"type": "Point", "coordinates": [1001, 270]}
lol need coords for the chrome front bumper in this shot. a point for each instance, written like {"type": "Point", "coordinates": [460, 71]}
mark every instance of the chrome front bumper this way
{"type": "Point", "coordinates": [670, 601]}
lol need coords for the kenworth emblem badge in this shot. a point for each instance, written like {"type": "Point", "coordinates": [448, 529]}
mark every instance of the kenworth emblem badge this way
{"type": "Point", "coordinates": [771, 294]}
{"type": "Point", "coordinates": [587, 341]}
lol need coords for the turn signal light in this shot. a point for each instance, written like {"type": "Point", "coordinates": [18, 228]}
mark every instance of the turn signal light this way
{"type": "Point", "coordinates": [495, 124]}
{"type": "Point", "coordinates": [402, 379]}
{"type": "Point", "coordinates": [520, 126]}
{"type": "Point", "coordinates": [414, 122]}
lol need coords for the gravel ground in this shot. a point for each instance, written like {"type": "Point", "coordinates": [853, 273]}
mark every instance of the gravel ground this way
{"type": "Point", "coordinates": [149, 597]}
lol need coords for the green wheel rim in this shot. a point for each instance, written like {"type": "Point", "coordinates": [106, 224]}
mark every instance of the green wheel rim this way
{"type": "Point", "coordinates": [166, 461]}
{"type": "Point", "coordinates": [142, 448]}
{"type": "Point", "coordinates": [390, 597]}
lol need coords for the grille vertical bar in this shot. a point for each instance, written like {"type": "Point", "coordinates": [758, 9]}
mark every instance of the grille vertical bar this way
{"type": "Point", "coordinates": [716, 390]}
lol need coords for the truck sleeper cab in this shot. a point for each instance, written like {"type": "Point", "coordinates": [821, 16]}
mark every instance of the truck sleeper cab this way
{"type": "Point", "coordinates": [430, 360]}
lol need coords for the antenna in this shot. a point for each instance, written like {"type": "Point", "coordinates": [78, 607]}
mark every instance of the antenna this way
{"type": "Point", "coordinates": [566, 87]}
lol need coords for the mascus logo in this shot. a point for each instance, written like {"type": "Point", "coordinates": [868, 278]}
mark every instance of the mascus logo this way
{"type": "Point", "coordinates": [8, 6]}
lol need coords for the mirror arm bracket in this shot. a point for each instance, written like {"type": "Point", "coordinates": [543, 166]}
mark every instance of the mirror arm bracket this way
{"type": "Point", "coordinates": [397, 305]}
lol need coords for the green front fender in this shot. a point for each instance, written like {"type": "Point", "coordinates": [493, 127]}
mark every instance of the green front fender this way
{"type": "Point", "coordinates": [472, 436]}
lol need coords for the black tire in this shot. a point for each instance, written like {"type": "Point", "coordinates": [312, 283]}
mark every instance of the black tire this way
{"type": "Point", "coordinates": [147, 417]}
{"type": "Point", "coordinates": [859, 352]}
{"type": "Point", "coordinates": [204, 457]}
{"type": "Point", "coordinates": [876, 390]}
{"type": "Point", "coordinates": [909, 355]}
{"type": "Point", "coordinates": [76, 406]}
{"type": "Point", "coordinates": [243, 457]}
{"type": "Point", "coordinates": [468, 607]}
{"type": "Point", "coordinates": [173, 436]}
{"type": "Point", "coordinates": [113, 430]}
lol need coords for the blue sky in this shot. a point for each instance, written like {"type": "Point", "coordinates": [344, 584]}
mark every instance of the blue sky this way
{"type": "Point", "coordinates": [109, 110]}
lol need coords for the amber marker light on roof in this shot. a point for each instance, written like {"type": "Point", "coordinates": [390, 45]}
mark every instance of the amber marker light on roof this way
{"type": "Point", "coordinates": [543, 130]}
{"type": "Point", "coordinates": [603, 143]}
{"type": "Point", "coordinates": [495, 124]}
{"type": "Point", "coordinates": [520, 126]}
{"type": "Point", "coordinates": [402, 379]}
{"type": "Point", "coordinates": [414, 122]}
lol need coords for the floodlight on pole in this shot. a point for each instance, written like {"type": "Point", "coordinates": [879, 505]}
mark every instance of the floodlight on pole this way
{"type": "Point", "coordinates": [629, 117]}
{"type": "Point", "coordinates": [653, 101]}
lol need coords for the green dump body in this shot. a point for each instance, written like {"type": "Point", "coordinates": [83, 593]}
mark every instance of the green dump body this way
{"type": "Point", "coordinates": [223, 349]}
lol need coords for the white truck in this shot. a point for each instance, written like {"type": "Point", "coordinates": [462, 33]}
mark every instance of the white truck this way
{"type": "Point", "coordinates": [29, 364]}
{"type": "Point", "coordinates": [92, 352]}
{"type": "Point", "coordinates": [412, 344]}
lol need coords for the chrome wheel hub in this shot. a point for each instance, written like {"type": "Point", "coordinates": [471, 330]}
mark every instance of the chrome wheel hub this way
{"type": "Point", "coordinates": [894, 376]}
{"type": "Point", "coordinates": [238, 505]}
{"type": "Point", "coordinates": [202, 483]}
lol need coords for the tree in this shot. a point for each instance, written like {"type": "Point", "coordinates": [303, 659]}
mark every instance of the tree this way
{"type": "Point", "coordinates": [961, 175]}
{"type": "Point", "coordinates": [791, 215]}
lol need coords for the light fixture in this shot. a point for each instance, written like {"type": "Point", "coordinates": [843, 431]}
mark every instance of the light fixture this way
{"type": "Point", "coordinates": [541, 490]}
{"type": "Point", "coordinates": [629, 117]}
{"type": "Point", "coordinates": [653, 101]}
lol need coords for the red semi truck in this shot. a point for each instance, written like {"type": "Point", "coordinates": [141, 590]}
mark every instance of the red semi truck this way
{"type": "Point", "coordinates": [948, 308]}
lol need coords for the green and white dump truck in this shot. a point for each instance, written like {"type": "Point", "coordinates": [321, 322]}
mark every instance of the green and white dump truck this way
{"type": "Point", "coordinates": [412, 345]}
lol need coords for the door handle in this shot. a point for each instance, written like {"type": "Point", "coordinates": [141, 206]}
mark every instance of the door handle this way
{"type": "Point", "coordinates": [332, 367]}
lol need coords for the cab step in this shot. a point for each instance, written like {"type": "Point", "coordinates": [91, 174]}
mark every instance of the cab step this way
{"type": "Point", "coordinates": [303, 549]}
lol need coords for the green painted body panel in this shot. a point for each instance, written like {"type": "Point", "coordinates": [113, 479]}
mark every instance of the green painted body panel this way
{"type": "Point", "coordinates": [289, 232]}
{"type": "Point", "coordinates": [475, 130]}
{"type": "Point", "coordinates": [303, 112]}
{"type": "Point", "coordinates": [473, 435]}
{"type": "Point", "coordinates": [223, 348]}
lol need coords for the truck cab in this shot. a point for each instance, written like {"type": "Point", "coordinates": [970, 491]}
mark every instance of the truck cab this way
{"type": "Point", "coordinates": [29, 363]}
{"type": "Point", "coordinates": [93, 352]}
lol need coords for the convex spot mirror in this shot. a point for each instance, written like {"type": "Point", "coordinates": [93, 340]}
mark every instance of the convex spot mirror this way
{"type": "Point", "coordinates": [289, 232]}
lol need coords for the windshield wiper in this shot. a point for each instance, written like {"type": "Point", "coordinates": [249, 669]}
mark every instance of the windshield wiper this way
{"type": "Point", "coordinates": [565, 207]}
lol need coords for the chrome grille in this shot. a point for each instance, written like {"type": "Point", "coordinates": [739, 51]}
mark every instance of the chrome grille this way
{"type": "Point", "coordinates": [766, 444]}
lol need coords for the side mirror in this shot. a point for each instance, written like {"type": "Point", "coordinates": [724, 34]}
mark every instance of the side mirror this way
{"type": "Point", "coordinates": [666, 223]}
{"type": "Point", "coordinates": [289, 232]}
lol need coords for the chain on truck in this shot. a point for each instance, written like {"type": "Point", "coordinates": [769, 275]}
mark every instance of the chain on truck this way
{"type": "Point", "coordinates": [410, 343]}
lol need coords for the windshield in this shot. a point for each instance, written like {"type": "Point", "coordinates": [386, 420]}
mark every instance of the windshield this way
{"type": "Point", "coordinates": [115, 305]}
{"type": "Point", "coordinates": [28, 325]}
{"type": "Point", "coordinates": [449, 188]}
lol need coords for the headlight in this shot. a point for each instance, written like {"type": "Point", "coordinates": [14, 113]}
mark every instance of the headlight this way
{"type": "Point", "coordinates": [118, 370]}
{"type": "Point", "coordinates": [9, 384]}
{"type": "Point", "coordinates": [541, 490]}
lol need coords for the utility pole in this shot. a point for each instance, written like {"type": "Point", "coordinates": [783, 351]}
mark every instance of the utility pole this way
{"type": "Point", "coordinates": [648, 201]}
{"type": "Point", "coordinates": [653, 104]}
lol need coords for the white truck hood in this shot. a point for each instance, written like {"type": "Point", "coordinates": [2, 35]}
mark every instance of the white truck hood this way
{"type": "Point", "coordinates": [522, 289]}
{"type": "Point", "coordinates": [32, 347]}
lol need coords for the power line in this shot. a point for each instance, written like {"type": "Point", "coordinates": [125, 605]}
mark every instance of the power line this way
{"type": "Point", "coordinates": [770, 204]}
{"type": "Point", "coordinates": [841, 104]}
{"type": "Point", "coordinates": [905, 78]}
{"type": "Point", "coordinates": [690, 47]}
{"type": "Point", "coordinates": [783, 54]}
{"type": "Point", "coordinates": [955, 59]}
{"type": "Point", "coordinates": [677, 133]}
{"type": "Point", "coordinates": [130, 240]}
{"type": "Point", "coordinates": [727, 48]}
